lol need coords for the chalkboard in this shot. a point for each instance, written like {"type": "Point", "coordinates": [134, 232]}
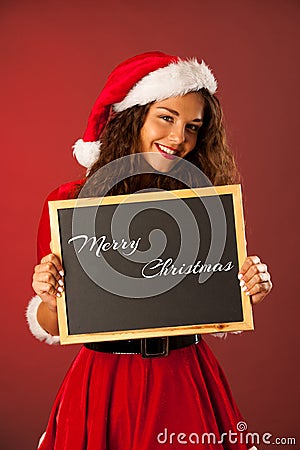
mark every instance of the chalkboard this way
{"type": "Point", "coordinates": [151, 264]}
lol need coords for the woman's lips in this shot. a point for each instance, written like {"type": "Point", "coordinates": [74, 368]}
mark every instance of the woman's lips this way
{"type": "Point", "coordinates": [166, 152]}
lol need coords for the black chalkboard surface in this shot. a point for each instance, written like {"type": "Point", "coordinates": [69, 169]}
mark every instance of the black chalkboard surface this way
{"type": "Point", "coordinates": [151, 264]}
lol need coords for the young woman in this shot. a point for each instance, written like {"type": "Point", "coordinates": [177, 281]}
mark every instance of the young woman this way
{"type": "Point", "coordinates": [163, 108]}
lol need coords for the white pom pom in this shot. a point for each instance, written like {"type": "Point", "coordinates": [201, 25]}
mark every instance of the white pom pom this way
{"type": "Point", "coordinates": [86, 153]}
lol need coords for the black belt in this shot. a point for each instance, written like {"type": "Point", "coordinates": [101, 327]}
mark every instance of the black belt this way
{"type": "Point", "coordinates": [148, 348]}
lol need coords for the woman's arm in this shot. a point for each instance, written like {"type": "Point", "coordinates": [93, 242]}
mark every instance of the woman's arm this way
{"type": "Point", "coordinates": [47, 319]}
{"type": "Point", "coordinates": [41, 311]}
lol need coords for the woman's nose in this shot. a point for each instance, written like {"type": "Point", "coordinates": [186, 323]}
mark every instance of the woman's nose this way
{"type": "Point", "coordinates": [177, 134]}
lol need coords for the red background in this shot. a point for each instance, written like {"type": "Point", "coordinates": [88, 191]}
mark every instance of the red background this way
{"type": "Point", "coordinates": [55, 56]}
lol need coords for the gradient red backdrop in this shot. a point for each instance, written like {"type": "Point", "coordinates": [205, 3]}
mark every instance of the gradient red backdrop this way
{"type": "Point", "coordinates": [55, 57]}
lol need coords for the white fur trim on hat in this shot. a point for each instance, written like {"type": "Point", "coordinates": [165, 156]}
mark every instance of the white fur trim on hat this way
{"type": "Point", "coordinates": [34, 326]}
{"type": "Point", "coordinates": [176, 79]}
{"type": "Point", "coordinates": [86, 153]}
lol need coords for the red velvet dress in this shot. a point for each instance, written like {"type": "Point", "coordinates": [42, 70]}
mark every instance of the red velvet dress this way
{"type": "Point", "coordinates": [125, 402]}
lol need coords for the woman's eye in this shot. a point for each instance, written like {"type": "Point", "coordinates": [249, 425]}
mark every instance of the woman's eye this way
{"type": "Point", "coordinates": [193, 127]}
{"type": "Point", "coordinates": [167, 118]}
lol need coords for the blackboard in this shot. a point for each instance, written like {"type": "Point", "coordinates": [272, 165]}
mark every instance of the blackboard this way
{"type": "Point", "coordinates": [151, 264]}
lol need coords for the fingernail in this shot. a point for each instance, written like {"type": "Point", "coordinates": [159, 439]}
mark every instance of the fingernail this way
{"type": "Point", "coordinates": [60, 289]}
{"type": "Point", "coordinates": [242, 283]}
{"type": "Point", "coordinates": [61, 273]}
{"type": "Point", "coordinates": [240, 276]}
{"type": "Point", "coordinates": [244, 288]}
{"type": "Point", "coordinates": [58, 294]}
{"type": "Point", "coordinates": [247, 293]}
{"type": "Point", "coordinates": [60, 282]}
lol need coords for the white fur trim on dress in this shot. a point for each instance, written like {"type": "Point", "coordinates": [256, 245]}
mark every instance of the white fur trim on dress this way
{"type": "Point", "coordinates": [86, 153]}
{"type": "Point", "coordinates": [176, 79]}
{"type": "Point", "coordinates": [34, 326]}
{"type": "Point", "coordinates": [44, 434]}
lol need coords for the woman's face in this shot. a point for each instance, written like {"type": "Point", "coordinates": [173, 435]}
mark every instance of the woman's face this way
{"type": "Point", "coordinates": [171, 129]}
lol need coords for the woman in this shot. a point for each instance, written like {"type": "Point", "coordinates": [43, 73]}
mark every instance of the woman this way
{"type": "Point", "coordinates": [164, 109]}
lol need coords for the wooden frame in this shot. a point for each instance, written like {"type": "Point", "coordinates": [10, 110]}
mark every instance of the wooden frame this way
{"type": "Point", "coordinates": [233, 192]}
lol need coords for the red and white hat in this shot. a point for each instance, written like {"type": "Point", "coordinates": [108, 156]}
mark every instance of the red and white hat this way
{"type": "Point", "coordinates": [145, 78]}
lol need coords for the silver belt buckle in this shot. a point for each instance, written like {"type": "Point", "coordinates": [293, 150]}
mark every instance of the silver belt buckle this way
{"type": "Point", "coordinates": [147, 353]}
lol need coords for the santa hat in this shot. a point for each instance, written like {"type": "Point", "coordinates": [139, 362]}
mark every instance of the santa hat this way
{"type": "Point", "coordinates": [145, 78]}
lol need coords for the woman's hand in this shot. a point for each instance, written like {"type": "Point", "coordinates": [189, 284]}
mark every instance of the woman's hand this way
{"type": "Point", "coordinates": [48, 280]}
{"type": "Point", "coordinates": [255, 279]}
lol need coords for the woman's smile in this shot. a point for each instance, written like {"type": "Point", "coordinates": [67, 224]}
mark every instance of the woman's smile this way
{"type": "Point", "coordinates": [166, 152]}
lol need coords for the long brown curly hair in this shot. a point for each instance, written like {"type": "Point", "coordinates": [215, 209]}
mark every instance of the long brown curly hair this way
{"type": "Point", "coordinates": [121, 137]}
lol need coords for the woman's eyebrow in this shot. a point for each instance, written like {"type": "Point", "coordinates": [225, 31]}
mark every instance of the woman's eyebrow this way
{"type": "Point", "coordinates": [176, 113]}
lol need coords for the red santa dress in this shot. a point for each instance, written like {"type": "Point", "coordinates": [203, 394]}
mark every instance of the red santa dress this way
{"type": "Point", "coordinates": [125, 402]}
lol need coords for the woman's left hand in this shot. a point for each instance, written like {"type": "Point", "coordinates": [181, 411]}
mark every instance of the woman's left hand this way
{"type": "Point", "coordinates": [255, 279]}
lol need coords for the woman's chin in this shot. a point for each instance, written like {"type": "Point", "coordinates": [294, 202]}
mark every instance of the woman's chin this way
{"type": "Point", "coordinates": [159, 163]}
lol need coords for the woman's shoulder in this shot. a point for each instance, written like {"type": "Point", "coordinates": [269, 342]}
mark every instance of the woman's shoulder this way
{"type": "Point", "coordinates": [65, 191]}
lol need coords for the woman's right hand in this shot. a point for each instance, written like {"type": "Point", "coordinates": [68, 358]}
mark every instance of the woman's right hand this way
{"type": "Point", "coordinates": [48, 280]}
